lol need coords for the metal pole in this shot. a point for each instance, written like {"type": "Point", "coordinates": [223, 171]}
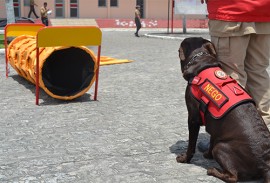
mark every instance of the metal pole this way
{"type": "Point", "coordinates": [168, 26]}
{"type": "Point", "coordinates": [37, 76]}
{"type": "Point", "coordinates": [172, 16]}
{"type": "Point", "coordinates": [97, 73]}
{"type": "Point", "coordinates": [10, 12]}
{"type": "Point", "coordinates": [184, 24]}
{"type": "Point", "coordinates": [6, 45]}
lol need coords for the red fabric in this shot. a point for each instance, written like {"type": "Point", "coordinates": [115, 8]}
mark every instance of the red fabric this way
{"type": "Point", "coordinates": [219, 92]}
{"type": "Point", "coordinates": [239, 10]}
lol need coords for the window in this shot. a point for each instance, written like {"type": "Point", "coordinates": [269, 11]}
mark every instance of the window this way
{"type": "Point", "coordinates": [16, 5]}
{"type": "Point", "coordinates": [73, 8]}
{"type": "Point", "coordinates": [59, 8]}
{"type": "Point", "coordinates": [101, 3]}
{"type": "Point", "coordinates": [114, 3]}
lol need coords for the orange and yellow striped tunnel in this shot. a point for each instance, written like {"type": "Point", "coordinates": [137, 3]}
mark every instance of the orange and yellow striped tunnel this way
{"type": "Point", "coordinates": [65, 72]}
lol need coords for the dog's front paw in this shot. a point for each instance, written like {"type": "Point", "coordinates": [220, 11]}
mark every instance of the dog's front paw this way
{"type": "Point", "coordinates": [181, 158]}
{"type": "Point", "coordinates": [212, 171]}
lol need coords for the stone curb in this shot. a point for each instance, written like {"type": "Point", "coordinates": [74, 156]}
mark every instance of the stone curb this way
{"type": "Point", "coordinates": [162, 37]}
{"type": "Point", "coordinates": [178, 35]}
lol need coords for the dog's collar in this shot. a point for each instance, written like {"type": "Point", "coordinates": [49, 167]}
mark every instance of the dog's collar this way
{"type": "Point", "coordinates": [194, 57]}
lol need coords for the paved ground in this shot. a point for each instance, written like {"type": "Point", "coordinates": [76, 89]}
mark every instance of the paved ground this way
{"type": "Point", "coordinates": [130, 135]}
{"type": "Point", "coordinates": [191, 22]}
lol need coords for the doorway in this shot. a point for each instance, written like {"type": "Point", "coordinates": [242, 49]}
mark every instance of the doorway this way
{"type": "Point", "coordinates": [141, 3]}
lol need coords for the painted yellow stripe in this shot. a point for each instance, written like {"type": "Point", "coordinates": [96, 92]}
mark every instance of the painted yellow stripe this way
{"type": "Point", "coordinates": [22, 29]}
{"type": "Point", "coordinates": [69, 36]}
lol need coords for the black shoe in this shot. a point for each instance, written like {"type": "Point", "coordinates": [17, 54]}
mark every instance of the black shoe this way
{"type": "Point", "coordinates": [136, 34]}
{"type": "Point", "coordinates": [203, 146]}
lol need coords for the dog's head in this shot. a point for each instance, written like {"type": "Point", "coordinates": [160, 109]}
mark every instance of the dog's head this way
{"type": "Point", "coordinates": [196, 54]}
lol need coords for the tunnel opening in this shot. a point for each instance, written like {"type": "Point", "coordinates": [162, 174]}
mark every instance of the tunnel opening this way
{"type": "Point", "coordinates": [68, 71]}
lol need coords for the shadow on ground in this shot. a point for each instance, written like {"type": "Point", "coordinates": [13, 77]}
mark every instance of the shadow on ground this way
{"type": "Point", "coordinates": [48, 100]}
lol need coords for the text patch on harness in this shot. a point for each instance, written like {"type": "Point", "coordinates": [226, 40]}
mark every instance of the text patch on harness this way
{"type": "Point", "coordinates": [213, 93]}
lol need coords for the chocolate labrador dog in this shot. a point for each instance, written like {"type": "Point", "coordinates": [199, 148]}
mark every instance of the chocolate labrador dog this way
{"type": "Point", "coordinates": [240, 140]}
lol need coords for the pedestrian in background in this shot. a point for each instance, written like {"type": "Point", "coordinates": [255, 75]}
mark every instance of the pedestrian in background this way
{"type": "Point", "coordinates": [44, 14]}
{"type": "Point", "coordinates": [32, 9]}
{"type": "Point", "coordinates": [137, 20]}
{"type": "Point", "coordinates": [240, 31]}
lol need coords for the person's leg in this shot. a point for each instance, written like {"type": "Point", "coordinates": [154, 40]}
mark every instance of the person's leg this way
{"type": "Point", "coordinates": [138, 26]}
{"type": "Point", "coordinates": [30, 11]}
{"type": "Point", "coordinates": [136, 33]}
{"type": "Point", "coordinates": [231, 53]}
{"type": "Point", "coordinates": [43, 20]}
{"type": "Point", "coordinates": [35, 12]}
{"type": "Point", "coordinates": [258, 81]}
{"type": "Point", "coordinates": [46, 21]}
{"type": "Point", "coordinates": [137, 29]}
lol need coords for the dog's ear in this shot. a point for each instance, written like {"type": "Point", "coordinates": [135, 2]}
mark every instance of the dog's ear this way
{"type": "Point", "coordinates": [181, 53]}
{"type": "Point", "coordinates": [210, 48]}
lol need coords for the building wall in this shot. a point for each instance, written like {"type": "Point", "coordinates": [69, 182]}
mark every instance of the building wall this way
{"type": "Point", "coordinates": [157, 9]}
{"type": "Point", "coordinates": [125, 9]}
{"type": "Point", "coordinates": [153, 9]}
{"type": "Point", "coordinates": [90, 9]}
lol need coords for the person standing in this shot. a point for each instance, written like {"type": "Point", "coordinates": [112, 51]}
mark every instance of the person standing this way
{"type": "Point", "coordinates": [137, 20]}
{"type": "Point", "coordinates": [240, 31]}
{"type": "Point", "coordinates": [32, 9]}
{"type": "Point", "coordinates": [44, 14]}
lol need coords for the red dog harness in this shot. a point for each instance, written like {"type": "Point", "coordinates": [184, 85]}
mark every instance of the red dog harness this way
{"type": "Point", "coordinates": [217, 92]}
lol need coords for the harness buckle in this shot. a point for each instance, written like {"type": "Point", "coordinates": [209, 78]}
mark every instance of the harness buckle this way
{"type": "Point", "coordinates": [237, 91]}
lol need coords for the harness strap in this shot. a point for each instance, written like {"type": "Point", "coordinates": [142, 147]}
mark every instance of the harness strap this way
{"type": "Point", "coordinates": [203, 107]}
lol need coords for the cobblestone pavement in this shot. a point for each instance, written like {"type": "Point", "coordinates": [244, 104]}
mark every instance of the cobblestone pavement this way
{"type": "Point", "coordinates": [130, 135]}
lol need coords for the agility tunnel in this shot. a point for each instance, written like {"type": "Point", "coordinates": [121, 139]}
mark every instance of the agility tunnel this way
{"type": "Point", "coordinates": [64, 72]}
{"type": "Point", "coordinates": [56, 59]}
